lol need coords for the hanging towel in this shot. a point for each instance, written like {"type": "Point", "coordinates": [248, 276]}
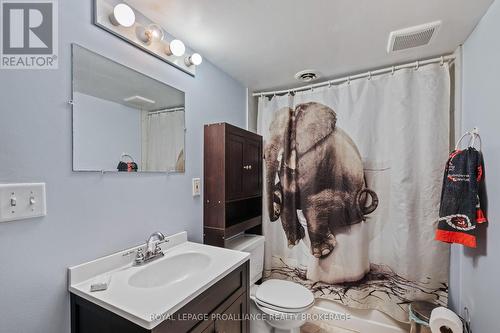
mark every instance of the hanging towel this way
{"type": "Point", "coordinates": [461, 209]}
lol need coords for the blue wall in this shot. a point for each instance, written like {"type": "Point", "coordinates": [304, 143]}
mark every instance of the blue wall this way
{"type": "Point", "coordinates": [89, 214]}
{"type": "Point", "coordinates": [480, 268]}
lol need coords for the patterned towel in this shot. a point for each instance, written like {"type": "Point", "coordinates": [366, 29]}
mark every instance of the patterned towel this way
{"type": "Point", "coordinates": [461, 198]}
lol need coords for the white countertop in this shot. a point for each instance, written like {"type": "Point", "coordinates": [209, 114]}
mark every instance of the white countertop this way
{"type": "Point", "coordinates": [148, 307]}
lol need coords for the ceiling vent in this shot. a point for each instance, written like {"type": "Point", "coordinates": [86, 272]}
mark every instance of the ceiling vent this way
{"type": "Point", "coordinates": [412, 37]}
{"type": "Point", "coordinates": [307, 75]}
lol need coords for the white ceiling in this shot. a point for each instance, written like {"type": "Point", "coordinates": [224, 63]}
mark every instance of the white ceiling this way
{"type": "Point", "coordinates": [263, 43]}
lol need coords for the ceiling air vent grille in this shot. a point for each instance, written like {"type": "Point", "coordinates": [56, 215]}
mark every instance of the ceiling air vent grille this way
{"type": "Point", "coordinates": [307, 75]}
{"type": "Point", "coordinates": [412, 37]}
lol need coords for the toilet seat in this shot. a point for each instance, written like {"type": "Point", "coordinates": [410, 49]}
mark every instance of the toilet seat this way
{"type": "Point", "coordinates": [266, 306]}
{"type": "Point", "coordinates": [283, 296]}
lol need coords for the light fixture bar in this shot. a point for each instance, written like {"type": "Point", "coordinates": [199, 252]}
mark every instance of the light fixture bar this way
{"type": "Point", "coordinates": [132, 26]}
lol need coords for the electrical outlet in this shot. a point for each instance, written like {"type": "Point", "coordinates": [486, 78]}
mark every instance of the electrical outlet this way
{"type": "Point", "coordinates": [22, 201]}
{"type": "Point", "coordinates": [196, 187]}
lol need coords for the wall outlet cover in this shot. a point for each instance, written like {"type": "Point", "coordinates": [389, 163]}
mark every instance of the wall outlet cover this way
{"type": "Point", "coordinates": [196, 187]}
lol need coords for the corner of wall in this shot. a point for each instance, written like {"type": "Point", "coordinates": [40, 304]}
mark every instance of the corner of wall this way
{"type": "Point", "coordinates": [251, 111]}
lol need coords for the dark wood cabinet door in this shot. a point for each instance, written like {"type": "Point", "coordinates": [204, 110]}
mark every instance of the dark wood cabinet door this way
{"type": "Point", "coordinates": [204, 328]}
{"type": "Point", "coordinates": [231, 319]}
{"type": "Point", "coordinates": [252, 164]}
{"type": "Point", "coordinates": [210, 328]}
{"type": "Point", "coordinates": [234, 170]}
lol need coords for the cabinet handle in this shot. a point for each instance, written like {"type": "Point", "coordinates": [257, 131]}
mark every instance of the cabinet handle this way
{"type": "Point", "coordinates": [249, 167]}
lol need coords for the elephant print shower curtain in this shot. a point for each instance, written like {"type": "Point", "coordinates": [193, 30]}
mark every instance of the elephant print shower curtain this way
{"type": "Point", "coordinates": [352, 187]}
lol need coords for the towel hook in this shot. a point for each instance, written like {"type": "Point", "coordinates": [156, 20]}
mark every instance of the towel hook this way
{"type": "Point", "coordinates": [473, 135]}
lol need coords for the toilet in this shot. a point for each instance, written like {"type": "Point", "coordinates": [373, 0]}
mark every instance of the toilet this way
{"type": "Point", "coordinates": [281, 303]}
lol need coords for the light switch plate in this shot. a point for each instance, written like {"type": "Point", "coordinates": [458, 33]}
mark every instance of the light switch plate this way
{"type": "Point", "coordinates": [22, 201]}
{"type": "Point", "coordinates": [196, 187]}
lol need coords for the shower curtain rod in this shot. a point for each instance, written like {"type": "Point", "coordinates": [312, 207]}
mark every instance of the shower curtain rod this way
{"type": "Point", "coordinates": [416, 64]}
{"type": "Point", "coordinates": [165, 110]}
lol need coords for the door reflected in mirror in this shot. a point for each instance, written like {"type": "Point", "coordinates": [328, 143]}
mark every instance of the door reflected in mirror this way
{"type": "Point", "coordinates": [123, 120]}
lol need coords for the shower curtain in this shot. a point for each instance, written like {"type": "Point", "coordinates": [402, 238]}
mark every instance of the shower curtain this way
{"type": "Point", "coordinates": [353, 182]}
{"type": "Point", "coordinates": [162, 140]}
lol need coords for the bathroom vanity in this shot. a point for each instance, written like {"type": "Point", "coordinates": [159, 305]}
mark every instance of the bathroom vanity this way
{"type": "Point", "coordinates": [191, 288]}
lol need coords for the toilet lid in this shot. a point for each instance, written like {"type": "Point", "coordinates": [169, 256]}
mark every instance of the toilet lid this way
{"type": "Point", "coordinates": [280, 294]}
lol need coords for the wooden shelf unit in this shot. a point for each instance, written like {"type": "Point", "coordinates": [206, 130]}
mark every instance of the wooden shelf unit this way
{"type": "Point", "coordinates": [232, 183]}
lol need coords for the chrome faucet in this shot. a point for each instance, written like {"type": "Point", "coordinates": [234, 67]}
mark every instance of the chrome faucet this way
{"type": "Point", "coordinates": [153, 249]}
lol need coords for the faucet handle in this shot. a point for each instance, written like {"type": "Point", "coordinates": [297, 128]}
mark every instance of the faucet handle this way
{"type": "Point", "coordinates": [158, 249]}
{"type": "Point", "coordinates": [139, 256]}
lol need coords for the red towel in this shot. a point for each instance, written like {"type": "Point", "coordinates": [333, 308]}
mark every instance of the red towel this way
{"type": "Point", "coordinates": [461, 198]}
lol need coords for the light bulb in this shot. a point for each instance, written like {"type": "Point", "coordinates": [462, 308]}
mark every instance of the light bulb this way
{"type": "Point", "coordinates": [154, 32]}
{"type": "Point", "coordinates": [176, 48]}
{"type": "Point", "coordinates": [122, 15]}
{"type": "Point", "coordinates": [194, 59]}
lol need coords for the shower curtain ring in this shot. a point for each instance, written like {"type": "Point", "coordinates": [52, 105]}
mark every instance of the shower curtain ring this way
{"type": "Point", "coordinates": [417, 66]}
{"type": "Point", "coordinates": [349, 80]}
{"type": "Point", "coordinates": [329, 84]}
{"type": "Point", "coordinates": [442, 61]}
{"type": "Point", "coordinates": [393, 70]}
{"type": "Point", "coordinates": [369, 75]}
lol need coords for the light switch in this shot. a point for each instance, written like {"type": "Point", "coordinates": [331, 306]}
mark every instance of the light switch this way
{"type": "Point", "coordinates": [22, 201]}
{"type": "Point", "coordinates": [196, 187]}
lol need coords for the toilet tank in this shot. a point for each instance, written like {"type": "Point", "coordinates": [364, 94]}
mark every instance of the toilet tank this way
{"type": "Point", "coordinates": [254, 245]}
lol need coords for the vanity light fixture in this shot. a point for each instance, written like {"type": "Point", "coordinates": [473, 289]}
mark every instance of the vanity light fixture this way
{"type": "Point", "coordinates": [195, 59]}
{"type": "Point", "coordinates": [176, 48]}
{"type": "Point", "coordinates": [123, 20]}
{"type": "Point", "coordinates": [122, 15]}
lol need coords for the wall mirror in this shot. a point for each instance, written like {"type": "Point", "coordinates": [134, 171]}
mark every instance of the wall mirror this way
{"type": "Point", "coordinates": [124, 121]}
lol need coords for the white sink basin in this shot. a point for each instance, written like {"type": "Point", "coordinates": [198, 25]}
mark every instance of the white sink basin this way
{"type": "Point", "coordinates": [170, 270]}
{"type": "Point", "coordinates": [148, 294]}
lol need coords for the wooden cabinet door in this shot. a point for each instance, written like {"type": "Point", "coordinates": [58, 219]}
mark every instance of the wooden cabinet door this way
{"type": "Point", "coordinates": [252, 168]}
{"type": "Point", "coordinates": [210, 328]}
{"type": "Point", "coordinates": [232, 318]}
{"type": "Point", "coordinates": [234, 166]}
{"type": "Point", "coordinates": [204, 328]}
